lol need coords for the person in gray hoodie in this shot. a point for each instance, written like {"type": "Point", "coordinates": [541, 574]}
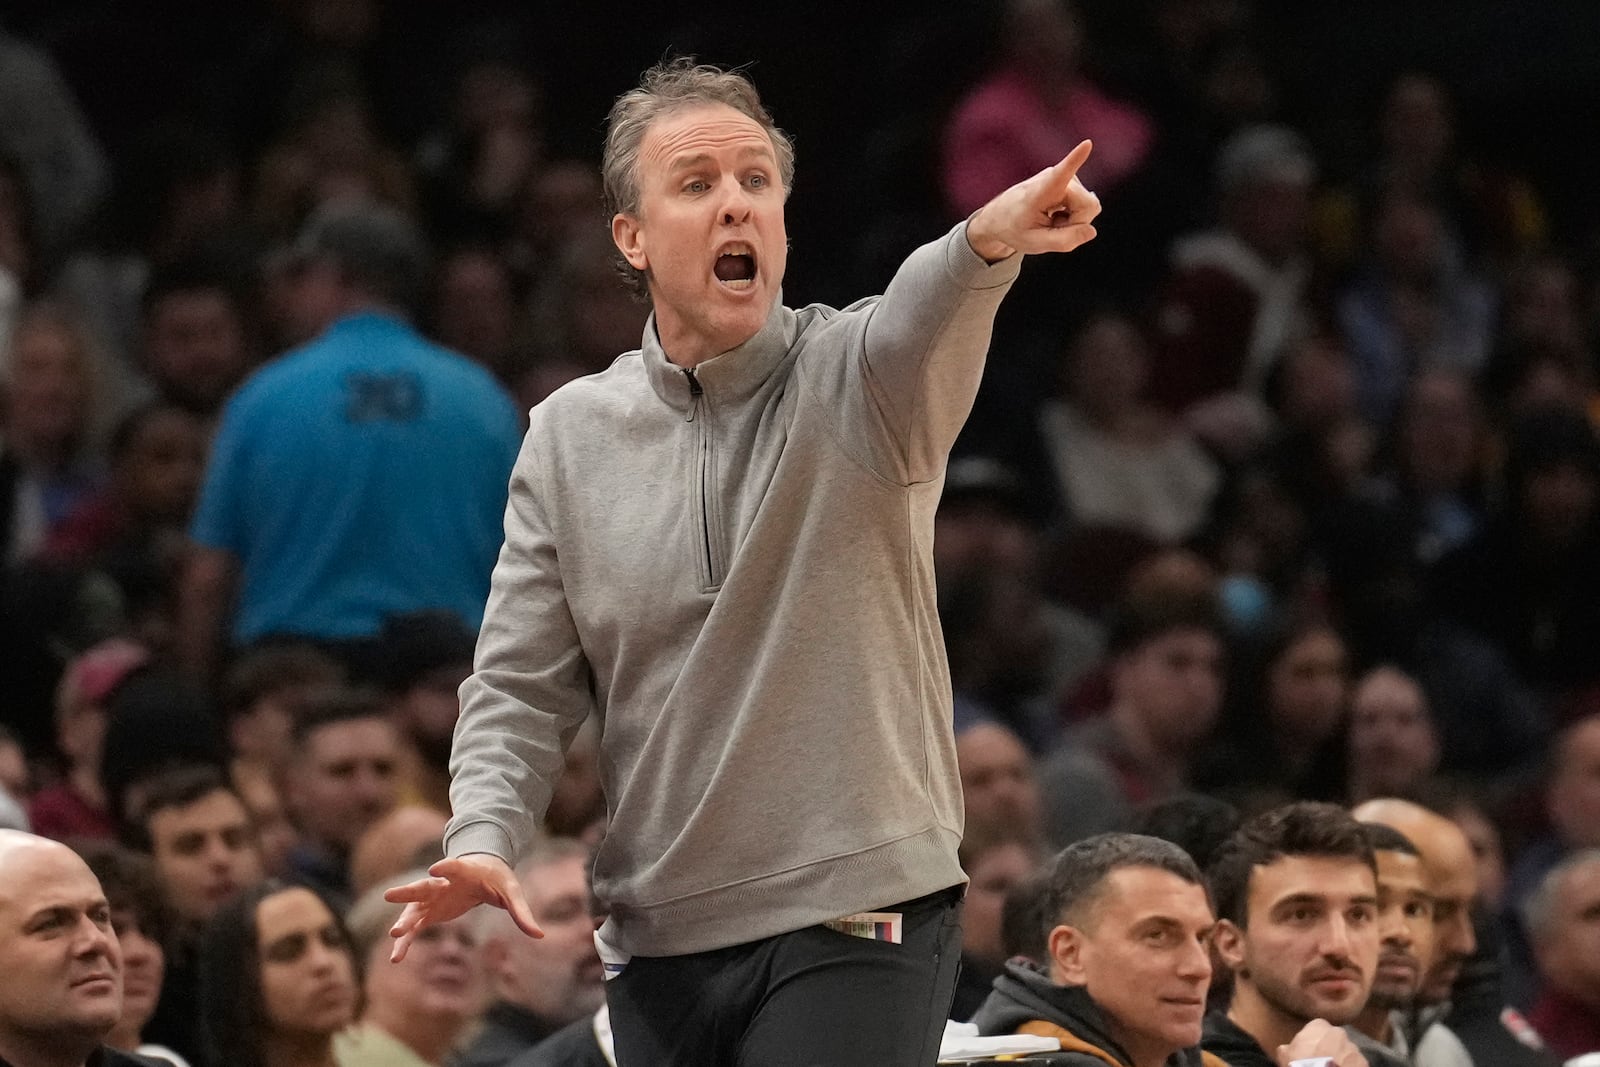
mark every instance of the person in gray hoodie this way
{"type": "Point", "coordinates": [722, 547]}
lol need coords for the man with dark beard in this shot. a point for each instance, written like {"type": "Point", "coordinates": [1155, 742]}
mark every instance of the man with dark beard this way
{"type": "Point", "coordinates": [1296, 895]}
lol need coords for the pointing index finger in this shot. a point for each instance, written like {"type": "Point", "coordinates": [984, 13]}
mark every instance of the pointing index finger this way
{"type": "Point", "coordinates": [1062, 173]}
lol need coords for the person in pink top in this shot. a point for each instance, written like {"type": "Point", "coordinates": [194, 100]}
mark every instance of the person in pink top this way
{"type": "Point", "coordinates": [1033, 108]}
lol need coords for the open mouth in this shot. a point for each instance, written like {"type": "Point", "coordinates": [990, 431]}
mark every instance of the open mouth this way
{"type": "Point", "coordinates": [736, 267]}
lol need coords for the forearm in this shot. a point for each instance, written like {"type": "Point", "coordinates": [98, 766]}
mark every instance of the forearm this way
{"type": "Point", "coordinates": [205, 604]}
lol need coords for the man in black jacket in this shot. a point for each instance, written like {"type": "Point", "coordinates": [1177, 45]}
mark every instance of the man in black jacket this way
{"type": "Point", "coordinates": [62, 991]}
{"type": "Point", "coordinates": [1297, 924]}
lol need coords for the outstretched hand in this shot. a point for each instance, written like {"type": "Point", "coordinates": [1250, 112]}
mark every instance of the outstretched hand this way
{"type": "Point", "coordinates": [454, 887]}
{"type": "Point", "coordinates": [1049, 212]}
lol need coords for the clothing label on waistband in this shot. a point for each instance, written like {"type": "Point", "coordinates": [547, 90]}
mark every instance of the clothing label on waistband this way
{"type": "Point", "coordinates": [872, 925]}
{"type": "Point", "coordinates": [612, 958]}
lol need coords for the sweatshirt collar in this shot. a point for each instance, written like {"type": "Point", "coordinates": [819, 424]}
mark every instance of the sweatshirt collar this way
{"type": "Point", "coordinates": [731, 377]}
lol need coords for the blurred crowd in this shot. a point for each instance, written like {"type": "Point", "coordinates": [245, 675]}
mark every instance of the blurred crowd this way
{"type": "Point", "coordinates": [1287, 489]}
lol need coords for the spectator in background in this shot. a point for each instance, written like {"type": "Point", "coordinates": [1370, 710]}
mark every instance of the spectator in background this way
{"type": "Point", "coordinates": [1393, 745]}
{"type": "Point", "coordinates": [196, 338]}
{"type": "Point", "coordinates": [75, 807]}
{"type": "Point", "coordinates": [1116, 459]}
{"type": "Point", "coordinates": [420, 663]}
{"type": "Point", "coordinates": [142, 921]}
{"type": "Point", "coordinates": [1564, 921]}
{"type": "Point", "coordinates": [1237, 295]}
{"type": "Point", "coordinates": [159, 723]}
{"type": "Point", "coordinates": [474, 310]}
{"type": "Point", "coordinates": [1415, 306]}
{"type": "Point", "coordinates": [413, 1012]}
{"type": "Point", "coordinates": [1166, 678]}
{"type": "Point", "coordinates": [998, 784]}
{"type": "Point", "coordinates": [1038, 103]}
{"type": "Point", "coordinates": [18, 253]}
{"type": "Point", "coordinates": [1542, 325]}
{"type": "Point", "coordinates": [1405, 940]}
{"type": "Point", "coordinates": [359, 476]}
{"type": "Point", "coordinates": [578, 805]}
{"type": "Point", "coordinates": [278, 980]}
{"type": "Point", "coordinates": [997, 857]}
{"type": "Point", "coordinates": [51, 410]}
{"type": "Point", "coordinates": [1195, 822]}
{"type": "Point", "coordinates": [343, 777]}
{"type": "Point", "coordinates": [262, 691]}
{"type": "Point", "coordinates": [540, 986]}
{"type": "Point", "coordinates": [562, 202]}
{"type": "Point", "coordinates": [411, 835]}
{"type": "Point", "coordinates": [1284, 739]}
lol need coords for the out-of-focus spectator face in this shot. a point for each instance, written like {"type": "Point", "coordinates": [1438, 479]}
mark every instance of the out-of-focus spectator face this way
{"type": "Point", "coordinates": [1417, 128]}
{"type": "Point", "coordinates": [1488, 852]}
{"type": "Point", "coordinates": [578, 805]}
{"type": "Point", "coordinates": [1306, 686]}
{"type": "Point", "coordinates": [1574, 795]}
{"type": "Point", "coordinates": [1409, 238]}
{"type": "Point", "coordinates": [430, 708]}
{"type": "Point", "coordinates": [1439, 432]}
{"type": "Point", "coordinates": [1545, 309]}
{"type": "Point", "coordinates": [563, 203]}
{"type": "Point", "coordinates": [1393, 742]}
{"type": "Point", "coordinates": [1568, 948]}
{"type": "Point", "coordinates": [1559, 502]}
{"type": "Point", "coordinates": [274, 830]}
{"type": "Point", "coordinates": [968, 536]}
{"type": "Point", "coordinates": [47, 388]}
{"type": "Point", "coordinates": [1452, 879]}
{"type": "Point", "coordinates": [393, 845]}
{"type": "Point", "coordinates": [144, 967]}
{"type": "Point", "coordinates": [195, 347]}
{"type": "Point", "coordinates": [603, 320]}
{"type": "Point", "coordinates": [308, 984]}
{"type": "Point", "coordinates": [205, 852]}
{"type": "Point", "coordinates": [1172, 684]}
{"type": "Point", "coordinates": [60, 959]}
{"type": "Point", "coordinates": [311, 296]}
{"type": "Point", "coordinates": [1319, 384]}
{"type": "Point", "coordinates": [1547, 383]}
{"type": "Point", "coordinates": [14, 777]}
{"type": "Point", "coordinates": [1405, 929]}
{"type": "Point", "coordinates": [1108, 365]}
{"type": "Point", "coordinates": [492, 94]}
{"type": "Point", "coordinates": [1271, 216]}
{"type": "Point", "coordinates": [441, 979]}
{"type": "Point", "coordinates": [992, 873]}
{"type": "Point", "coordinates": [345, 776]}
{"type": "Point", "coordinates": [558, 978]}
{"type": "Point", "coordinates": [997, 779]}
{"type": "Point", "coordinates": [476, 310]}
{"type": "Point", "coordinates": [163, 466]}
{"type": "Point", "coordinates": [1044, 38]}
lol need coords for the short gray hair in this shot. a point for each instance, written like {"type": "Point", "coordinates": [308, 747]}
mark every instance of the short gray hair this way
{"type": "Point", "coordinates": [665, 88]}
{"type": "Point", "coordinates": [1078, 873]}
{"type": "Point", "coordinates": [1540, 910]}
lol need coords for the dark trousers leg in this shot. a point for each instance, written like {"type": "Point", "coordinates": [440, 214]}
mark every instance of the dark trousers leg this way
{"type": "Point", "coordinates": [812, 998]}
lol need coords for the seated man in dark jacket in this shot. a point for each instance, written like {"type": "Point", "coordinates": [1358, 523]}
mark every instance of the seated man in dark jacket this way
{"type": "Point", "coordinates": [1128, 930]}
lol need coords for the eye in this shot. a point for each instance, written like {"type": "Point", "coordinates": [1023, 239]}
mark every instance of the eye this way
{"type": "Point", "coordinates": [696, 186]}
{"type": "Point", "coordinates": [758, 181]}
{"type": "Point", "coordinates": [1362, 914]}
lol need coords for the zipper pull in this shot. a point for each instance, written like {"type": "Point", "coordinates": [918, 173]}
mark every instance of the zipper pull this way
{"type": "Point", "coordinates": [696, 391]}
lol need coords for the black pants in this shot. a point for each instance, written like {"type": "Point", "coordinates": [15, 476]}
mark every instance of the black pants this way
{"type": "Point", "coordinates": [812, 998]}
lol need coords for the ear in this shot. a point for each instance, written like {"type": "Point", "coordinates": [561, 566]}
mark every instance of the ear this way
{"type": "Point", "coordinates": [628, 237]}
{"type": "Point", "coordinates": [1067, 947]}
{"type": "Point", "coordinates": [1228, 942]}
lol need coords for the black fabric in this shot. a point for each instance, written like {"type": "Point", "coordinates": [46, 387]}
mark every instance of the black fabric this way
{"type": "Point", "coordinates": [972, 988]}
{"type": "Point", "coordinates": [508, 1031]}
{"type": "Point", "coordinates": [812, 998]}
{"type": "Point", "coordinates": [108, 1057]}
{"type": "Point", "coordinates": [572, 1046]}
{"type": "Point", "coordinates": [1024, 994]}
{"type": "Point", "coordinates": [1478, 1007]}
{"type": "Point", "coordinates": [1232, 1045]}
{"type": "Point", "coordinates": [176, 1022]}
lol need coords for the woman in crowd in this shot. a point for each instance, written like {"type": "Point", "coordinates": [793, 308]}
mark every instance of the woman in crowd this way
{"type": "Point", "coordinates": [278, 980]}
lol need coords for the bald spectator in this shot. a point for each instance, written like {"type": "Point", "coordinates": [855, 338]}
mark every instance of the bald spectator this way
{"type": "Point", "coordinates": [411, 835]}
{"type": "Point", "coordinates": [540, 986]}
{"type": "Point", "coordinates": [1564, 920]}
{"type": "Point", "coordinates": [1463, 1017]}
{"type": "Point", "coordinates": [62, 993]}
{"type": "Point", "coordinates": [1394, 745]}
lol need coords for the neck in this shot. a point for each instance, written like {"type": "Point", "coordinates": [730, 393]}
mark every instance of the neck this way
{"type": "Point", "coordinates": [1252, 1014]}
{"type": "Point", "coordinates": [45, 1050]}
{"type": "Point", "coordinates": [1142, 1051]}
{"type": "Point", "coordinates": [1374, 1021]}
{"type": "Point", "coordinates": [300, 1050]}
{"type": "Point", "coordinates": [124, 1037]}
{"type": "Point", "coordinates": [429, 1034]}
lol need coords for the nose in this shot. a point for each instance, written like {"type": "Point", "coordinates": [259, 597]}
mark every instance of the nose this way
{"type": "Point", "coordinates": [1195, 964]}
{"type": "Point", "coordinates": [1336, 938]}
{"type": "Point", "coordinates": [1465, 937]}
{"type": "Point", "coordinates": [735, 205]}
{"type": "Point", "coordinates": [93, 939]}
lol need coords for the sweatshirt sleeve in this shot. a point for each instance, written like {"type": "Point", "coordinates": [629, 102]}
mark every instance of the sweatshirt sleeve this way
{"type": "Point", "coordinates": [530, 687]}
{"type": "Point", "coordinates": [924, 347]}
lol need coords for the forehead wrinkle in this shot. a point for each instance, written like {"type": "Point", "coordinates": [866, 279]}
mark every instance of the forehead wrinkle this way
{"type": "Point", "coordinates": [725, 131]}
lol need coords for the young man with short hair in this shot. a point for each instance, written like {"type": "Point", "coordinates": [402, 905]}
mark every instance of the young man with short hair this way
{"type": "Point", "coordinates": [1405, 937]}
{"type": "Point", "coordinates": [1296, 891]}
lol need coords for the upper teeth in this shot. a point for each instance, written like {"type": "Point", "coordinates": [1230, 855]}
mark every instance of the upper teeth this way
{"type": "Point", "coordinates": [736, 250]}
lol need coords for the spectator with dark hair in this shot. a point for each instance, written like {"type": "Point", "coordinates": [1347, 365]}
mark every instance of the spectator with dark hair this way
{"type": "Point", "coordinates": [278, 980]}
{"type": "Point", "coordinates": [75, 807]}
{"type": "Point", "coordinates": [1564, 922]}
{"type": "Point", "coordinates": [1166, 669]}
{"type": "Point", "coordinates": [999, 787]}
{"type": "Point", "coordinates": [262, 692]}
{"type": "Point", "coordinates": [1393, 744]}
{"type": "Point", "coordinates": [473, 309]}
{"type": "Point", "coordinates": [416, 1011]}
{"type": "Point", "coordinates": [361, 475]}
{"type": "Point", "coordinates": [1127, 925]}
{"type": "Point", "coordinates": [143, 923]}
{"type": "Point", "coordinates": [1024, 924]}
{"type": "Point", "coordinates": [1297, 925]}
{"type": "Point", "coordinates": [1195, 822]}
{"type": "Point", "coordinates": [159, 722]}
{"type": "Point", "coordinates": [1405, 942]}
{"type": "Point", "coordinates": [997, 856]}
{"type": "Point", "coordinates": [343, 777]}
{"type": "Point", "coordinates": [420, 661]}
{"type": "Point", "coordinates": [197, 336]}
